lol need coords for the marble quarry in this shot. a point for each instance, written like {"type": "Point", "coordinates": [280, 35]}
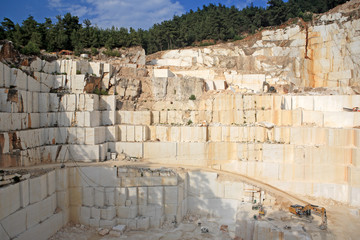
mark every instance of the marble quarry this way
{"type": "Point", "coordinates": [297, 138]}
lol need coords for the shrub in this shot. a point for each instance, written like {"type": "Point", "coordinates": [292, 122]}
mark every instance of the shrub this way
{"type": "Point", "coordinates": [77, 51]}
{"type": "Point", "coordinates": [307, 16]}
{"type": "Point", "coordinates": [31, 49]}
{"type": "Point", "coordinates": [94, 51]}
{"type": "Point", "coordinates": [238, 37]}
{"type": "Point", "coordinates": [192, 97]}
{"type": "Point", "coordinates": [100, 91]}
{"type": "Point", "coordinates": [111, 53]}
{"type": "Point", "coordinates": [96, 91]}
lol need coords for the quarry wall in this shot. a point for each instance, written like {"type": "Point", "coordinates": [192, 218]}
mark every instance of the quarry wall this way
{"type": "Point", "coordinates": [305, 144]}
{"type": "Point", "coordinates": [302, 143]}
{"type": "Point", "coordinates": [34, 208]}
{"type": "Point", "coordinates": [323, 53]}
{"type": "Point", "coordinates": [140, 198]}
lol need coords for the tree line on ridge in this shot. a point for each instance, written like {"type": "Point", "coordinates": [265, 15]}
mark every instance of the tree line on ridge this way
{"type": "Point", "coordinates": [204, 26]}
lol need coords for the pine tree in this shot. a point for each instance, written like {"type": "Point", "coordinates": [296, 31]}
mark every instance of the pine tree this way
{"type": "Point", "coordinates": [31, 48]}
{"type": "Point", "coordinates": [216, 22]}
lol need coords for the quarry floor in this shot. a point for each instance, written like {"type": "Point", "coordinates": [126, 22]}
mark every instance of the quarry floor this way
{"type": "Point", "coordinates": [342, 225]}
{"type": "Point", "coordinates": [190, 229]}
{"type": "Point", "coordinates": [343, 220]}
{"type": "Point", "coordinates": [170, 232]}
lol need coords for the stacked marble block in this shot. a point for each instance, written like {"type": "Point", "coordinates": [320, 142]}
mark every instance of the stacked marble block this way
{"type": "Point", "coordinates": [53, 127]}
{"type": "Point", "coordinates": [311, 148]}
{"type": "Point", "coordinates": [32, 209]}
{"type": "Point", "coordinates": [306, 158]}
{"type": "Point", "coordinates": [74, 72]}
{"type": "Point", "coordinates": [140, 199]}
{"type": "Point", "coordinates": [44, 79]}
{"type": "Point", "coordinates": [52, 121]}
{"type": "Point", "coordinates": [144, 198]}
{"type": "Point", "coordinates": [16, 78]}
{"type": "Point", "coordinates": [61, 74]}
{"type": "Point", "coordinates": [237, 109]}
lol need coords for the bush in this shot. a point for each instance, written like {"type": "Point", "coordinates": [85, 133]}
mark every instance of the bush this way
{"type": "Point", "coordinates": [237, 37]}
{"type": "Point", "coordinates": [31, 49]}
{"type": "Point", "coordinates": [306, 16]}
{"type": "Point", "coordinates": [96, 91]}
{"type": "Point", "coordinates": [104, 92]}
{"type": "Point", "coordinates": [205, 44]}
{"type": "Point", "coordinates": [94, 51]}
{"type": "Point", "coordinates": [112, 53]}
{"type": "Point", "coordinates": [189, 122]}
{"type": "Point", "coordinates": [77, 51]}
{"type": "Point", "coordinates": [100, 92]}
{"type": "Point", "coordinates": [192, 97]}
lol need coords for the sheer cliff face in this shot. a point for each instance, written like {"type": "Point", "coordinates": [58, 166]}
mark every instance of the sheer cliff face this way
{"type": "Point", "coordinates": [324, 53]}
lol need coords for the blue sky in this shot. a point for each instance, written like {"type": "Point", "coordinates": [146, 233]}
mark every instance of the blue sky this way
{"type": "Point", "coordinates": [107, 13]}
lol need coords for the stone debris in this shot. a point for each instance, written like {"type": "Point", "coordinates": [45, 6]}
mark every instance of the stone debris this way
{"type": "Point", "coordinates": [9, 178]}
{"type": "Point", "coordinates": [115, 233]}
{"type": "Point", "coordinates": [267, 125]}
{"type": "Point", "coordinates": [224, 228]}
{"type": "Point", "coordinates": [103, 231]}
{"type": "Point", "coordinates": [355, 212]}
{"type": "Point", "coordinates": [119, 228]}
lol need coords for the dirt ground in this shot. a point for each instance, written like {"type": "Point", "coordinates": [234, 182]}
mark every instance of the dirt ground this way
{"type": "Point", "coordinates": [277, 220]}
{"type": "Point", "coordinates": [343, 220]}
{"type": "Point", "coordinates": [183, 231]}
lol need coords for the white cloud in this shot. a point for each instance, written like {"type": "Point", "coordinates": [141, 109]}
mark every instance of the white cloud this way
{"type": "Point", "coordinates": [133, 13]}
{"type": "Point", "coordinates": [244, 3]}
{"type": "Point", "coordinates": [120, 13]}
{"type": "Point", "coordinates": [78, 10]}
{"type": "Point", "coordinates": [55, 3]}
{"type": "Point", "coordinates": [63, 7]}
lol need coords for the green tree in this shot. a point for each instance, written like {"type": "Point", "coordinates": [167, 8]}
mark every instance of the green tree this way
{"type": "Point", "coordinates": [76, 42]}
{"type": "Point", "coordinates": [29, 27]}
{"type": "Point", "coordinates": [31, 48]}
{"type": "Point", "coordinates": [95, 34]}
{"type": "Point", "coordinates": [64, 29]}
{"type": "Point", "coordinates": [2, 33]}
{"type": "Point", "coordinates": [293, 9]}
{"type": "Point", "coordinates": [111, 39]}
{"type": "Point", "coordinates": [276, 12]}
{"type": "Point", "coordinates": [216, 22]}
{"type": "Point", "coordinates": [85, 33]}
{"type": "Point", "coordinates": [17, 37]}
{"type": "Point", "coordinates": [333, 3]}
{"type": "Point", "coordinates": [133, 38]}
{"type": "Point", "coordinates": [9, 27]}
